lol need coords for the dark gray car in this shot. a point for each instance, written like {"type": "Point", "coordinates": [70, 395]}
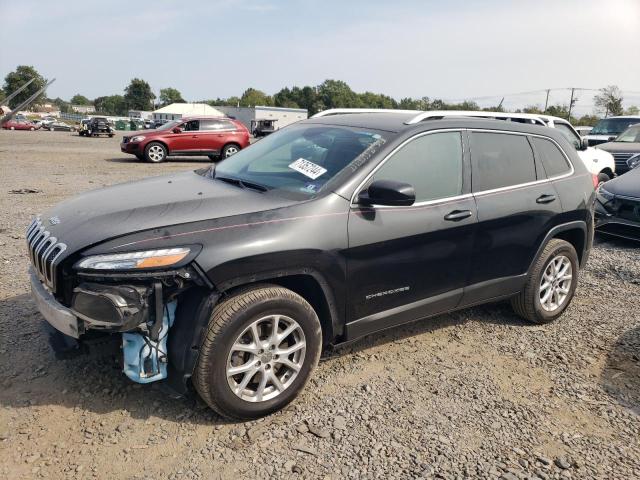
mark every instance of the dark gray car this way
{"type": "Point", "coordinates": [624, 147]}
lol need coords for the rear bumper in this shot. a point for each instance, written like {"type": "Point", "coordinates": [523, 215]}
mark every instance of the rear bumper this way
{"type": "Point", "coordinates": [58, 316]}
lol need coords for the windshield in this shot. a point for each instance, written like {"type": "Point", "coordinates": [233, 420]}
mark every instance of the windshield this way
{"type": "Point", "coordinates": [612, 126]}
{"type": "Point", "coordinates": [630, 135]}
{"type": "Point", "coordinates": [301, 159]}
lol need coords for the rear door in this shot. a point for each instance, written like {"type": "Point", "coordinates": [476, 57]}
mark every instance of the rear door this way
{"type": "Point", "coordinates": [405, 263]}
{"type": "Point", "coordinates": [216, 133]}
{"type": "Point", "coordinates": [516, 205]}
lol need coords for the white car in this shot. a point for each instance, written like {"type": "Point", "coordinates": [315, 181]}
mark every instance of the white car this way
{"type": "Point", "coordinates": [598, 162]}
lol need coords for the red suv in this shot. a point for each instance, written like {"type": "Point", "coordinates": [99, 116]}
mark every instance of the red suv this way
{"type": "Point", "coordinates": [214, 137]}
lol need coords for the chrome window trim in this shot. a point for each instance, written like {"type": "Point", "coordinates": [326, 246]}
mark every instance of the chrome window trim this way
{"type": "Point", "coordinates": [472, 194]}
{"type": "Point", "coordinates": [393, 152]}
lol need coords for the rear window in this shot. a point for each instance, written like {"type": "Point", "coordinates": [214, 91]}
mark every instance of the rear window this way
{"type": "Point", "coordinates": [553, 160]}
{"type": "Point", "coordinates": [500, 160]}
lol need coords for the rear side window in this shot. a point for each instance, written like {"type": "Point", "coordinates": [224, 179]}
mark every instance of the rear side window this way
{"type": "Point", "coordinates": [431, 163]}
{"type": "Point", "coordinates": [553, 161]}
{"type": "Point", "coordinates": [216, 125]}
{"type": "Point", "coordinates": [500, 160]}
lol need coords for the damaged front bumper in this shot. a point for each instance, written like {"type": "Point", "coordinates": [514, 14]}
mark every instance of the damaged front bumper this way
{"type": "Point", "coordinates": [137, 311]}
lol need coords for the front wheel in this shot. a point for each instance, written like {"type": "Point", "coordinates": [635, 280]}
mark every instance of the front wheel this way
{"type": "Point", "coordinates": [155, 152]}
{"type": "Point", "coordinates": [258, 352]}
{"type": "Point", "coordinates": [551, 284]}
{"type": "Point", "coordinates": [229, 150]}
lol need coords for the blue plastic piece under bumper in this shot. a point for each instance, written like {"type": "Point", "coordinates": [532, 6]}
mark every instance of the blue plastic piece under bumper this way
{"type": "Point", "coordinates": [145, 361]}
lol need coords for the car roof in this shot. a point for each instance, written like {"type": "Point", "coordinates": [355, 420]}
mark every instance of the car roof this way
{"type": "Point", "coordinates": [633, 117]}
{"type": "Point", "coordinates": [400, 122]}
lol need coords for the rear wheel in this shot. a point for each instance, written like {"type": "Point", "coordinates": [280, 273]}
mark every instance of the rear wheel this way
{"type": "Point", "coordinates": [258, 353]}
{"type": "Point", "coordinates": [155, 152]}
{"type": "Point", "coordinates": [551, 284]}
{"type": "Point", "coordinates": [229, 150]}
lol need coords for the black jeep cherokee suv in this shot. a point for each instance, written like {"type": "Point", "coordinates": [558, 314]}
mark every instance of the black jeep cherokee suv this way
{"type": "Point", "coordinates": [231, 279]}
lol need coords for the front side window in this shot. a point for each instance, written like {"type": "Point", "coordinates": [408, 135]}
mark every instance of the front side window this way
{"type": "Point", "coordinates": [300, 160]}
{"type": "Point", "coordinates": [432, 164]}
{"type": "Point", "coordinates": [500, 160]}
{"type": "Point", "coordinates": [192, 125]}
{"type": "Point", "coordinates": [553, 161]}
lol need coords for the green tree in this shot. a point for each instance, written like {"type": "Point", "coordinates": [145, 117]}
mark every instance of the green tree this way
{"type": "Point", "coordinates": [138, 95]}
{"type": "Point", "coordinates": [111, 105]}
{"type": "Point", "coordinates": [65, 107]}
{"type": "Point", "coordinates": [586, 120]}
{"type": "Point", "coordinates": [21, 75]}
{"type": "Point", "coordinates": [632, 110]}
{"type": "Point", "coordinates": [337, 94]}
{"type": "Point", "coordinates": [252, 97]}
{"type": "Point", "coordinates": [78, 99]}
{"type": "Point", "coordinates": [609, 101]}
{"type": "Point", "coordinates": [170, 95]}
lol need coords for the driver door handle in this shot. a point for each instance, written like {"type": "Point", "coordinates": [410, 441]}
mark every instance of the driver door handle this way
{"type": "Point", "coordinates": [458, 215]}
{"type": "Point", "coordinates": [545, 198]}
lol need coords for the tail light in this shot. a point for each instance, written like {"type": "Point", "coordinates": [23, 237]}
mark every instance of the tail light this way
{"type": "Point", "coordinates": [594, 177]}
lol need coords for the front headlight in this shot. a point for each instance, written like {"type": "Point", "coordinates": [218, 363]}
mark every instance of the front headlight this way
{"type": "Point", "coordinates": [634, 162]}
{"type": "Point", "coordinates": [135, 260]}
{"type": "Point", "coordinates": [137, 138]}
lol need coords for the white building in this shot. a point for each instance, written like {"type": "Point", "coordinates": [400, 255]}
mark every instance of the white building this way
{"type": "Point", "coordinates": [283, 116]}
{"type": "Point", "coordinates": [176, 111]}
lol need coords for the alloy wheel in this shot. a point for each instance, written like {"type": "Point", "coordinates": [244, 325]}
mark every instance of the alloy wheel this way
{"type": "Point", "coordinates": [266, 358]}
{"type": "Point", "coordinates": [156, 153]}
{"type": "Point", "coordinates": [230, 151]}
{"type": "Point", "coordinates": [555, 283]}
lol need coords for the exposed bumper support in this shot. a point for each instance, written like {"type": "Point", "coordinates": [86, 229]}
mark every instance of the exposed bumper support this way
{"type": "Point", "coordinates": [59, 316]}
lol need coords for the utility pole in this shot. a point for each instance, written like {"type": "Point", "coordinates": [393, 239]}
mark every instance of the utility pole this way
{"type": "Point", "coordinates": [571, 103]}
{"type": "Point", "coordinates": [546, 102]}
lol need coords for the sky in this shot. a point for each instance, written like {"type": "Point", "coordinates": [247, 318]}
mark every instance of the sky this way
{"type": "Point", "coordinates": [453, 50]}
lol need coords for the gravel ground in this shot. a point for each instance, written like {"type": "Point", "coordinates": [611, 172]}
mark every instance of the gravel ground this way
{"type": "Point", "coordinates": [473, 394]}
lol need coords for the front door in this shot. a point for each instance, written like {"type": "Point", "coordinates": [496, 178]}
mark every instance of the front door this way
{"type": "Point", "coordinates": [188, 140]}
{"type": "Point", "coordinates": [405, 263]}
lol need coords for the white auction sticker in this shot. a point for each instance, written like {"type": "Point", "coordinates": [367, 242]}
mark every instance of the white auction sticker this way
{"type": "Point", "coordinates": [307, 168]}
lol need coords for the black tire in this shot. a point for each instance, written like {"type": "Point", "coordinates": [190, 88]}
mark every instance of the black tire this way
{"type": "Point", "coordinates": [527, 303]}
{"type": "Point", "coordinates": [140, 156]}
{"type": "Point", "coordinates": [155, 152]}
{"type": "Point", "coordinates": [228, 320]}
{"type": "Point", "coordinates": [229, 150]}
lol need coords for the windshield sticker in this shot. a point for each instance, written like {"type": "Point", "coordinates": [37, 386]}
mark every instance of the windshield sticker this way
{"type": "Point", "coordinates": [310, 188]}
{"type": "Point", "coordinates": [307, 168]}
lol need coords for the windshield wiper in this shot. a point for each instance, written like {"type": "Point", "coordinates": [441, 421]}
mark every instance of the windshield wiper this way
{"type": "Point", "coordinates": [242, 183]}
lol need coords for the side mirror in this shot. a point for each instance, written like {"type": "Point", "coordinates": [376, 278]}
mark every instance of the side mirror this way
{"type": "Point", "coordinates": [584, 143]}
{"type": "Point", "coordinates": [177, 130]}
{"type": "Point", "coordinates": [388, 192]}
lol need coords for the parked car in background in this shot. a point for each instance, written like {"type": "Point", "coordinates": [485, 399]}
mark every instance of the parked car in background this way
{"type": "Point", "coordinates": [609, 128]}
{"type": "Point", "coordinates": [231, 279]}
{"type": "Point", "coordinates": [598, 162]}
{"type": "Point", "coordinates": [624, 147]}
{"type": "Point", "coordinates": [618, 204]}
{"type": "Point", "coordinates": [215, 137]}
{"type": "Point", "coordinates": [149, 125]}
{"type": "Point", "coordinates": [19, 125]}
{"type": "Point", "coordinates": [58, 126]}
{"type": "Point", "coordinates": [583, 130]}
{"type": "Point", "coordinates": [99, 126]}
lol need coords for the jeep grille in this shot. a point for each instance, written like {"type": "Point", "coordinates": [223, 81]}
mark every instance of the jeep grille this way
{"type": "Point", "coordinates": [44, 251]}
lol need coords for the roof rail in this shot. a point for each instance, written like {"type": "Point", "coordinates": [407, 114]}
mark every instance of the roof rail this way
{"type": "Point", "coordinates": [437, 114]}
{"type": "Point", "coordinates": [345, 111]}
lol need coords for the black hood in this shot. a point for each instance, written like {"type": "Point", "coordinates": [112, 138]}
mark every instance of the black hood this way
{"type": "Point", "coordinates": [111, 212]}
{"type": "Point", "coordinates": [627, 185]}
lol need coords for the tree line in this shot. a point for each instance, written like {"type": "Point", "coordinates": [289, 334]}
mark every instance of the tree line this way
{"type": "Point", "coordinates": [138, 95]}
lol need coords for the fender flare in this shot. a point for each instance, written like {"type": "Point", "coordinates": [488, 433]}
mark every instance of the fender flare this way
{"type": "Point", "coordinates": [577, 224]}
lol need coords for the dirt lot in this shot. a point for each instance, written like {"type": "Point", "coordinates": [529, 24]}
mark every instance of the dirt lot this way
{"type": "Point", "coordinates": [474, 394]}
